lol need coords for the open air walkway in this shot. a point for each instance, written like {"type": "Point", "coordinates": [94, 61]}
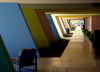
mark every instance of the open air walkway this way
{"type": "Point", "coordinates": [77, 57]}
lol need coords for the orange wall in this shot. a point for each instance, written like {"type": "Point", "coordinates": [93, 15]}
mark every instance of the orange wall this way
{"type": "Point", "coordinates": [46, 26]}
{"type": "Point", "coordinates": [95, 23]}
{"type": "Point", "coordinates": [60, 25]}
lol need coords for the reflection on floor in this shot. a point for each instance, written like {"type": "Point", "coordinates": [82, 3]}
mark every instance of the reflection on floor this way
{"type": "Point", "coordinates": [77, 57]}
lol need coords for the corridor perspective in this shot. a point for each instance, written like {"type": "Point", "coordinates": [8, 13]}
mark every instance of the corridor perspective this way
{"type": "Point", "coordinates": [53, 32]}
{"type": "Point", "coordinates": [77, 57]}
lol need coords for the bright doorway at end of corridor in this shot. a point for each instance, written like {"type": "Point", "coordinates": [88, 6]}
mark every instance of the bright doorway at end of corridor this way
{"type": "Point", "coordinates": [77, 23]}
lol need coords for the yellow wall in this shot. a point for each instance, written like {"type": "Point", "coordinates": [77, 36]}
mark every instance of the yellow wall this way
{"type": "Point", "coordinates": [35, 27]}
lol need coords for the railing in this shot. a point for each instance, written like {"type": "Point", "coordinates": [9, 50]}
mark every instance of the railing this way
{"type": "Point", "coordinates": [15, 61]}
{"type": "Point", "coordinates": [16, 64]}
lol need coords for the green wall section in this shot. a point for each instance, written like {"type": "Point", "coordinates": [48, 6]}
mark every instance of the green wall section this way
{"type": "Point", "coordinates": [5, 61]}
{"type": "Point", "coordinates": [35, 27]}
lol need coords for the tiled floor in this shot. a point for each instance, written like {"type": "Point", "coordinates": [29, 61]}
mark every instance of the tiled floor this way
{"type": "Point", "coordinates": [77, 57]}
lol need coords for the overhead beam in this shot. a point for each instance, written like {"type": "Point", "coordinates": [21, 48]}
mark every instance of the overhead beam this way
{"type": "Point", "coordinates": [69, 11]}
{"type": "Point", "coordinates": [59, 6]}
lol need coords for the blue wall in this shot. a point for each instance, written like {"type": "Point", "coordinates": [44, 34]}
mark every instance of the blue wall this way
{"type": "Point", "coordinates": [85, 23]}
{"type": "Point", "coordinates": [13, 29]}
{"type": "Point", "coordinates": [55, 32]}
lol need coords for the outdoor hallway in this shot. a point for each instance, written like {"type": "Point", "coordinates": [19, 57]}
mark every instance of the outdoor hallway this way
{"type": "Point", "coordinates": [77, 57]}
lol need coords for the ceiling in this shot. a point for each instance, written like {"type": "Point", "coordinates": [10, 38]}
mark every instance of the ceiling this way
{"type": "Point", "coordinates": [69, 11]}
{"type": "Point", "coordinates": [51, 1]}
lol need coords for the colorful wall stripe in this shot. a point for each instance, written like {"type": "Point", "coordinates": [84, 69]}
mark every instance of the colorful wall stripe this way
{"type": "Point", "coordinates": [62, 25]}
{"type": "Point", "coordinates": [46, 26]}
{"type": "Point", "coordinates": [14, 29]}
{"type": "Point", "coordinates": [5, 61]}
{"type": "Point", "coordinates": [35, 27]}
{"type": "Point", "coordinates": [85, 23]}
{"type": "Point", "coordinates": [52, 25]}
{"type": "Point", "coordinates": [66, 23]}
{"type": "Point", "coordinates": [57, 26]}
{"type": "Point", "coordinates": [59, 23]}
